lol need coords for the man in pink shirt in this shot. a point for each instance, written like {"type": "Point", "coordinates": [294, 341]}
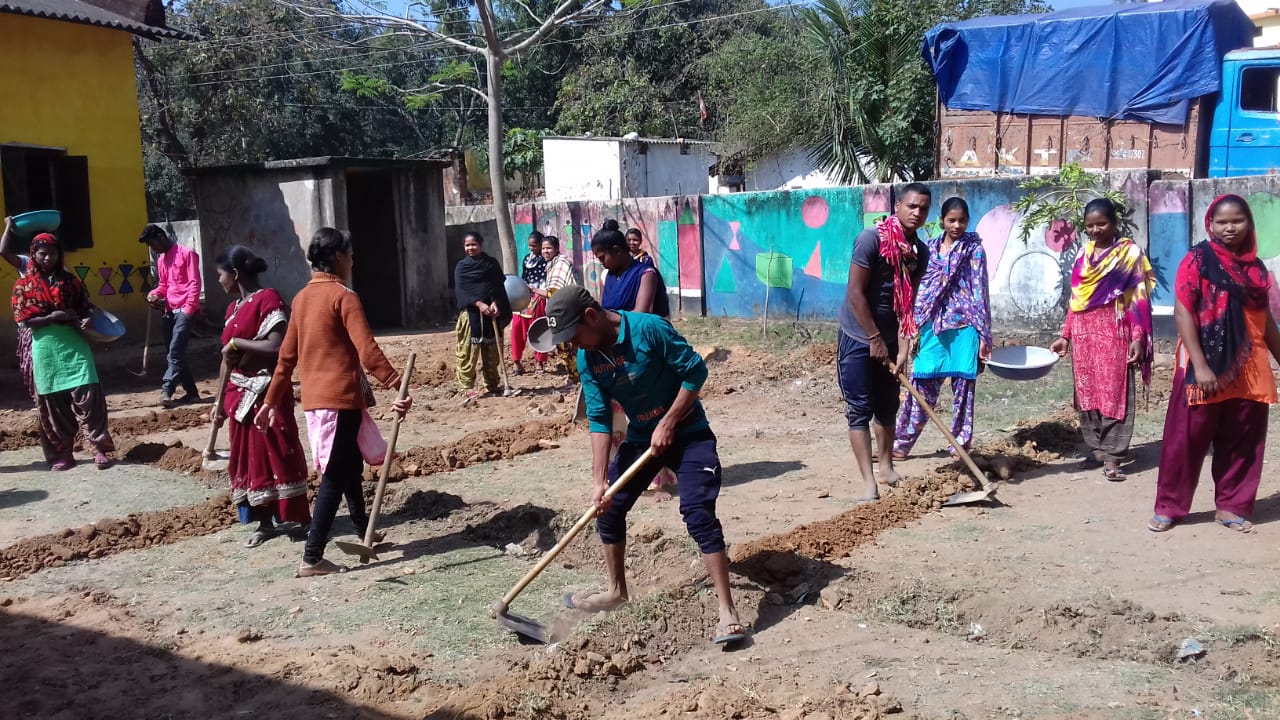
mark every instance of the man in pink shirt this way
{"type": "Point", "coordinates": [177, 295]}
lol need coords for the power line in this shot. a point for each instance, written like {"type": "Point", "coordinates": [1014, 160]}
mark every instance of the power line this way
{"type": "Point", "coordinates": [547, 43]}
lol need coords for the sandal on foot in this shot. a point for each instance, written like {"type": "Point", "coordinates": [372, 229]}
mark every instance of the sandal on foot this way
{"type": "Point", "coordinates": [729, 633]}
{"type": "Point", "coordinates": [1090, 463]}
{"type": "Point", "coordinates": [324, 567]}
{"type": "Point", "coordinates": [1114, 474]}
{"type": "Point", "coordinates": [1240, 525]}
{"type": "Point", "coordinates": [1160, 523]}
{"type": "Point", "coordinates": [103, 461]}
{"type": "Point", "coordinates": [866, 500]}
{"type": "Point", "coordinates": [63, 465]}
{"type": "Point", "coordinates": [258, 537]}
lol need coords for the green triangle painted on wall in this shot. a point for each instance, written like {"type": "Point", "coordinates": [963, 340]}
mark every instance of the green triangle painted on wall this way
{"type": "Point", "coordinates": [724, 278]}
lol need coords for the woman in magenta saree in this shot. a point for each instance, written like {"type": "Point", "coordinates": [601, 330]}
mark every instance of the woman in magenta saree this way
{"type": "Point", "coordinates": [268, 469]}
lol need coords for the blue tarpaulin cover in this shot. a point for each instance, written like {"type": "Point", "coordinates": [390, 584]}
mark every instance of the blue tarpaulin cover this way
{"type": "Point", "coordinates": [1141, 61]}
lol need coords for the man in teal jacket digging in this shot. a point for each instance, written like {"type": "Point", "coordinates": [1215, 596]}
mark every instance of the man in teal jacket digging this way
{"type": "Point", "coordinates": [640, 361]}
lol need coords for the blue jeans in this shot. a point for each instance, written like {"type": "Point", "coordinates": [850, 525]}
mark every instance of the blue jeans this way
{"type": "Point", "coordinates": [177, 330]}
{"type": "Point", "coordinates": [696, 464]}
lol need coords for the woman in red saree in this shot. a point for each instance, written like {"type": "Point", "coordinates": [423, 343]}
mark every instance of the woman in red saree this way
{"type": "Point", "coordinates": [268, 468]}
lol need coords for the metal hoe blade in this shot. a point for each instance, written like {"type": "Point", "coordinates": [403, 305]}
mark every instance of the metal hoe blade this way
{"type": "Point", "coordinates": [968, 498]}
{"type": "Point", "coordinates": [360, 550]}
{"type": "Point", "coordinates": [522, 626]}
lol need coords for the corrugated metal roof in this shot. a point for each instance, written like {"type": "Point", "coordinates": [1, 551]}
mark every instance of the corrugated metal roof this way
{"type": "Point", "coordinates": [352, 163]}
{"type": "Point", "coordinates": [648, 141]}
{"type": "Point", "coordinates": [86, 14]}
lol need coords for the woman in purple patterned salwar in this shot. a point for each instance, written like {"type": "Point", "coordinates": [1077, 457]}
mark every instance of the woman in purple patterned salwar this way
{"type": "Point", "coordinates": [953, 312]}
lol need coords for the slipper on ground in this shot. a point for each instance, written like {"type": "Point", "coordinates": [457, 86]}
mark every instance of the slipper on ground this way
{"type": "Point", "coordinates": [1239, 525]}
{"type": "Point", "coordinates": [726, 635]}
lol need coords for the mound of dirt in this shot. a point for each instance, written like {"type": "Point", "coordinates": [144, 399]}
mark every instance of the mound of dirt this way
{"type": "Point", "coordinates": [476, 447]}
{"type": "Point", "coordinates": [1060, 433]}
{"type": "Point", "coordinates": [160, 421]}
{"type": "Point", "coordinates": [174, 456]}
{"type": "Point", "coordinates": [24, 432]}
{"type": "Point", "coordinates": [21, 434]}
{"type": "Point", "coordinates": [838, 536]}
{"type": "Point", "coordinates": [114, 535]}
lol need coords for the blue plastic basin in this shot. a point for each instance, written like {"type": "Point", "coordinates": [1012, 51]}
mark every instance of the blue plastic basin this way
{"type": "Point", "coordinates": [103, 326]}
{"type": "Point", "coordinates": [1022, 362]}
{"type": "Point", "coordinates": [30, 224]}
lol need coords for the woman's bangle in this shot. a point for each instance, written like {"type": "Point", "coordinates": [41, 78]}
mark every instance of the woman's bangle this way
{"type": "Point", "coordinates": [233, 345]}
{"type": "Point", "coordinates": [873, 337]}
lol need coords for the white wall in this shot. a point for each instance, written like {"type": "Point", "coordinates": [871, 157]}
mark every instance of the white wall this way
{"type": "Point", "coordinates": [1270, 26]}
{"type": "Point", "coordinates": [789, 170]}
{"type": "Point", "coordinates": [670, 173]}
{"type": "Point", "coordinates": [582, 169]}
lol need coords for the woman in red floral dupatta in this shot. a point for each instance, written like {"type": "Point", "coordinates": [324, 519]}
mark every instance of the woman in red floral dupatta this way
{"type": "Point", "coordinates": [1222, 385]}
{"type": "Point", "coordinates": [268, 469]}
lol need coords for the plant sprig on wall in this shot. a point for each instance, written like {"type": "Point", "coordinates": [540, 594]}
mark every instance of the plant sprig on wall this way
{"type": "Point", "coordinates": [1063, 196]}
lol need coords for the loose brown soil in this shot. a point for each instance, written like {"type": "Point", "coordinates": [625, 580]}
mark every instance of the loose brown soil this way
{"type": "Point", "coordinates": [115, 535]}
{"type": "Point", "coordinates": [22, 433]}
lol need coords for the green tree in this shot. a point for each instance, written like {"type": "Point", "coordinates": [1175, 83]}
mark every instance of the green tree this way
{"type": "Point", "coordinates": [645, 72]}
{"type": "Point", "coordinates": [266, 82]}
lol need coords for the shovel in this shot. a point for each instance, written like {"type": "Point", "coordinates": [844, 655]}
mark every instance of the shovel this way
{"type": "Point", "coordinates": [211, 457]}
{"type": "Point", "coordinates": [365, 550]}
{"type": "Point", "coordinates": [146, 346]}
{"type": "Point", "coordinates": [527, 627]}
{"type": "Point", "coordinates": [502, 361]}
{"type": "Point", "coordinates": [988, 490]}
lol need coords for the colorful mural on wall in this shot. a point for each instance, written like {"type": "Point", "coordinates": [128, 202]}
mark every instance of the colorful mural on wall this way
{"type": "Point", "coordinates": [672, 237]}
{"type": "Point", "coordinates": [124, 279]}
{"type": "Point", "coordinates": [725, 254]}
{"type": "Point", "coordinates": [791, 248]}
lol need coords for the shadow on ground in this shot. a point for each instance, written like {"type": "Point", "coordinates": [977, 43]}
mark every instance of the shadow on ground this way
{"type": "Point", "coordinates": [743, 473]}
{"type": "Point", "coordinates": [53, 670]}
{"type": "Point", "coordinates": [14, 498]}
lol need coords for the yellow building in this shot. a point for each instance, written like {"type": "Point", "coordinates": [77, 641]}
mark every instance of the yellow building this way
{"type": "Point", "coordinates": [70, 137]}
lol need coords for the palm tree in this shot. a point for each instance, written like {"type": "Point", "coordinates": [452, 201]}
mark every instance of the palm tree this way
{"type": "Point", "coordinates": [876, 102]}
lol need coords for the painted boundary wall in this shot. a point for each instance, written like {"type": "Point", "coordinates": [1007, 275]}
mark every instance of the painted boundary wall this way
{"type": "Point", "coordinates": [730, 255]}
{"type": "Point", "coordinates": [672, 236]}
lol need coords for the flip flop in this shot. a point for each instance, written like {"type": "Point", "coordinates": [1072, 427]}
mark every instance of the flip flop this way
{"type": "Point", "coordinates": [1090, 463]}
{"type": "Point", "coordinates": [866, 500]}
{"type": "Point", "coordinates": [258, 537]}
{"type": "Point", "coordinates": [1160, 523]}
{"type": "Point", "coordinates": [727, 635]}
{"type": "Point", "coordinates": [1240, 525]}
{"type": "Point", "coordinates": [1114, 474]}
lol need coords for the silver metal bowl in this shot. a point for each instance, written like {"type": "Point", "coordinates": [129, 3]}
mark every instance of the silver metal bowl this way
{"type": "Point", "coordinates": [1022, 362]}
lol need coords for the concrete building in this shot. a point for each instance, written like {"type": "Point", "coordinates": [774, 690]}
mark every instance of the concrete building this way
{"type": "Point", "coordinates": [605, 168]}
{"type": "Point", "coordinates": [1266, 15]}
{"type": "Point", "coordinates": [394, 210]}
{"type": "Point", "coordinates": [69, 137]}
{"type": "Point", "coordinates": [790, 169]}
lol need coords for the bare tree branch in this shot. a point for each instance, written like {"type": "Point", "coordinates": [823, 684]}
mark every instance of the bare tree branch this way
{"type": "Point", "coordinates": [438, 86]}
{"type": "Point", "coordinates": [566, 12]}
{"type": "Point", "coordinates": [385, 21]}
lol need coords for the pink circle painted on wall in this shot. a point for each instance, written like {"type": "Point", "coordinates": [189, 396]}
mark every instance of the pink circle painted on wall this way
{"type": "Point", "coordinates": [815, 211]}
{"type": "Point", "coordinates": [1060, 235]}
